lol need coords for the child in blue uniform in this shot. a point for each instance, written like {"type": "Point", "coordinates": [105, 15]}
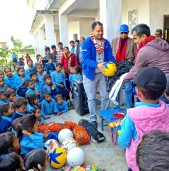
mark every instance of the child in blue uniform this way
{"type": "Point", "coordinates": [40, 72]}
{"type": "Point", "coordinates": [30, 86]}
{"type": "Point", "coordinates": [30, 68]}
{"type": "Point", "coordinates": [10, 95]}
{"type": "Point", "coordinates": [20, 107]}
{"type": "Point", "coordinates": [6, 113]}
{"type": "Point", "coordinates": [28, 136]}
{"type": "Point", "coordinates": [61, 104]}
{"type": "Point", "coordinates": [10, 78]}
{"type": "Point", "coordinates": [49, 86]}
{"type": "Point", "coordinates": [58, 79]}
{"type": "Point", "coordinates": [50, 66]}
{"type": "Point", "coordinates": [2, 84]}
{"type": "Point", "coordinates": [48, 106]}
{"type": "Point", "coordinates": [2, 97]}
{"type": "Point", "coordinates": [32, 102]}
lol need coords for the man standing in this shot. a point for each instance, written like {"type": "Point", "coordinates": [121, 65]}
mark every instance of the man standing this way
{"type": "Point", "coordinates": [158, 33]}
{"type": "Point", "coordinates": [124, 49]}
{"type": "Point", "coordinates": [95, 52]}
{"type": "Point", "coordinates": [152, 52]}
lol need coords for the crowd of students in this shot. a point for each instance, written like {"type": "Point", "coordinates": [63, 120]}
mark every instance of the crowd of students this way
{"type": "Point", "coordinates": [28, 96]}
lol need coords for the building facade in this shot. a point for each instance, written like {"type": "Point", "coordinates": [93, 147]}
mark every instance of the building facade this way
{"type": "Point", "coordinates": [65, 20]}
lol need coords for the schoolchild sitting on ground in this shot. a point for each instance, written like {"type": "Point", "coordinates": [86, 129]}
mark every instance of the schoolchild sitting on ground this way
{"type": "Point", "coordinates": [8, 143]}
{"type": "Point", "coordinates": [153, 152]}
{"type": "Point", "coordinates": [38, 85]}
{"type": "Point", "coordinates": [20, 107]}
{"type": "Point", "coordinates": [19, 80]}
{"type": "Point", "coordinates": [6, 113]}
{"type": "Point", "coordinates": [36, 160]}
{"type": "Point", "coordinates": [40, 72]}
{"type": "Point", "coordinates": [50, 66]}
{"type": "Point", "coordinates": [28, 136]}
{"type": "Point", "coordinates": [49, 87]}
{"type": "Point", "coordinates": [2, 83]}
{"type": "Point", "coordinates": [32, 102]}
{"type": "Point", "coordinates": [2, 97]}
{"type": "Point", "coordinates": [61, 104]}
{"type": "Point", "coordinates": [30, 68]}
{"type": "Point", "coordinates": [148, 115]}
{"type": "Point", "coordinates": [11, 162]}
{"type": "Point", "coordinates": [48, 106]}
{"type": "Point", "coordinates": [2, 74]}
{"type": "Point", "coordinates": [30, 87]}
{"type": "Point", "coordinates": [58, 79]}
{"type": "Point", "coordinates": [10, 78]}
{"type": "Point", "coordinates": [37, 113]}
{"type": "Point", "coordinates": [10, 96]}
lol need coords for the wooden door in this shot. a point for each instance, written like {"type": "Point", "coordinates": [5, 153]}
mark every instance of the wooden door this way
{"type": "Point", "coordinates": [166, 27]}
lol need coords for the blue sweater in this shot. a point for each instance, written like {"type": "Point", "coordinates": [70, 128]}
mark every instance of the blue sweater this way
{"type": "Point", "coordinates": [62, 107]}
{"type": "Point", "coordinates": [49, 67]}
{"type": "Point", "coordinates": [28, 71]}
{"type": "Point", "coordinates": [30, 91]}
{"type": "Point", "coordinates": [10, 81]}
{"type": "Point", "coordinates": [40, 76]}
{"type": "Point", "coordinates": [17, 115]}
{"type": "Point", "coordinates": [58, 78]}
{"type": "Point", "coordinates": [128, 129]}
{"type": "Point", "coordinates": [34, 141]}
{"type": "Point", "coordinates": [48, 108]}
{"type": "Point", "coordinates": [5, 123]}
{"type": "Point", "coordinates": [19, 80]}
{"type": "Point", "coordinates": [89, 63]}
{"type": "Point", "coordinates": [75, 77]}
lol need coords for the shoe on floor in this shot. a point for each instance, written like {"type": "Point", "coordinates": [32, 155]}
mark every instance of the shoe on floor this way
{"type": "Point", "coordinates": [94, 123]}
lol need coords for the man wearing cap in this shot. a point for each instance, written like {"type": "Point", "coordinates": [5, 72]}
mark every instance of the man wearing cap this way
{"type": "Point", "coordinates": [123, 48]}
{"type": "Point", "coordinates": [151, 52]}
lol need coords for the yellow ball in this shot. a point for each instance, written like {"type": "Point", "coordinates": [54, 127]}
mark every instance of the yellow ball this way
{"type": "Point", "coordinates": [57, 158]}
{"type": "Point", "coordinates": [110, 69]}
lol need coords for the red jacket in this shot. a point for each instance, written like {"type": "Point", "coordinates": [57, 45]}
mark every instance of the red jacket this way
{"type": "Point", "coordinates": [73, 62]}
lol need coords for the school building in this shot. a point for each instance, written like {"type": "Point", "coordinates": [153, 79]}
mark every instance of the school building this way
{"type": "Point", "coordinates": [65, 20]}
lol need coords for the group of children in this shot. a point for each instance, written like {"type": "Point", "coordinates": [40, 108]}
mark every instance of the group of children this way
{"type": "Point", "coordinates": [27, 98]}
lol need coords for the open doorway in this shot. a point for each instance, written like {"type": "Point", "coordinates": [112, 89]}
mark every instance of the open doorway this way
{"type": "Point", "coordinates": [166, 28]}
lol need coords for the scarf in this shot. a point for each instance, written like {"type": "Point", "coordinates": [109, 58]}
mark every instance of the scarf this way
{"type": "Point", "coordinates": [98, 48]}
{"type": "Point", "coordinates": [142, 44]}
{"type": "Point", "coordinates": [120, 55]}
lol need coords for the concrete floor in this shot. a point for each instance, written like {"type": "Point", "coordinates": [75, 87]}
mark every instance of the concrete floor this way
{"type": "Point", "coordinates": [107, 156]}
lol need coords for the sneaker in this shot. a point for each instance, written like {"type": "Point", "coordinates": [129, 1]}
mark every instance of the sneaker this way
{"type": "Point", "coordinates": [94, 123]}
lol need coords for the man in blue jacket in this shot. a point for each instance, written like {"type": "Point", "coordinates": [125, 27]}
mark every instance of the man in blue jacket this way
{"type": "Point", "coordinates": [95, 52]}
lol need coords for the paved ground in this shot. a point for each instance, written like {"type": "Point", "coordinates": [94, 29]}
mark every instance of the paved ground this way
{"type": "Point", "coordinates": [107, 156]}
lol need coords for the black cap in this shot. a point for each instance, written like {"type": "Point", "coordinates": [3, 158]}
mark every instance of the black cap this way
{"type": "Point", "coordinates": [151, 79]}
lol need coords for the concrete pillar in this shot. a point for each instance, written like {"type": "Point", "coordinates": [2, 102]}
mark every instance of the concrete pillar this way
{"type": "Point", "coordinates": [36, 44]}
{"type": "Point", "coordinates": [49, 31]}
{"type": "Point", "coordinates": [111, 17]}
{"type": "Point", "coordinates": [41, 42]}
{"type": "Point", "coordinates": [63, 29]}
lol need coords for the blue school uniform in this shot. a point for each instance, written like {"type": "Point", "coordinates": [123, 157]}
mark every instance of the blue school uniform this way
{"type": "Point", "coordinates": [48, 108]}
{"type": "Point", "coordinates": [39, 86]}
{"type": "Point", "coordinates": [58, 78]}
{"type": "Point", "coordinates": [40, 76]}
{"type": "Point", "coordinates": [30, 91]}
{"type": "Point", "coordinates": [17, 115]}
{"type": "Point", "coordinates": [5, 123]}
{"type": "Point", "coordinates": [62, 107]}
{"type": "Point", "coordinates": [34, 141]}
{"type": "Point", "coordinates": [76, 77]}
{"type": "Point", "coordinates": [29, 107]}
{"type": "Point", "coordinates": [15, 74]}
{"type": "Point", "coordinates": [49, 67]}
{"type": "Point", "coordinates": [28, 71]}
{"type": "Point", "coordinates": [10, 81]}
{"type": "Point", "coordinates": [19, 80]}
{"type": "Point", "coordinates": [2, 101]}
{"type": "Point", "coordinates": [48, 88]}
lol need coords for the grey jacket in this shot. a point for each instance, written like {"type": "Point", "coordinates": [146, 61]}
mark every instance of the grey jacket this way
{"type": "Point", "coordinates": [153, 54]}
{"type": "Point", "coordinates": [130, 51]}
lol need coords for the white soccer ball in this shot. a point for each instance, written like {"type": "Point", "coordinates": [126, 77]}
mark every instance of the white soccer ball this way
{"type": "Point", "coordinates": [68, 144]}
{"type": "Point", "coordinates": [51, 143]}
{"type": "Point", "coordinates": [75, 157]}
{"type": "Point", "coordinates": [64, 134]}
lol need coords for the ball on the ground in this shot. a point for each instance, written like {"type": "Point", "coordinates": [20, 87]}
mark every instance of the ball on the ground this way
{"type": "Point", "coordinates": [68, 144]}
{"type": "Point", "coordinates": [50, 144]}
{"type": "Point", "coordinates": [75, 157]}
{"type": "Point", "coordinates": [64, 134]}
{"type": "Point", "coordinates": [57, 158]}
{"type": "Point", "coordinates": [110, 69]}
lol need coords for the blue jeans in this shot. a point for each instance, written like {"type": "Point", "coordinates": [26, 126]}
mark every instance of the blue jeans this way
{"type": "Point", "coordinates": [128, 96]}
{"type": "Point", "coordinates": [90, 89]}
